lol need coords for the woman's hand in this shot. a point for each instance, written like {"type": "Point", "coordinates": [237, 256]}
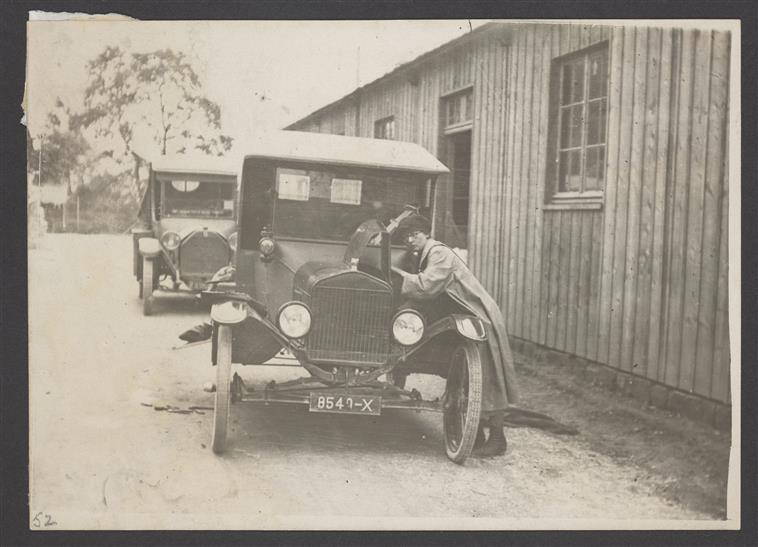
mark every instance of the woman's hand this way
{"type": "Point", "coordinates": [400, 272]}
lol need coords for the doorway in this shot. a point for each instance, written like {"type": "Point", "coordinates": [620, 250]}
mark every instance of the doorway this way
{"type": "Point", "coordinates": [459, 161]}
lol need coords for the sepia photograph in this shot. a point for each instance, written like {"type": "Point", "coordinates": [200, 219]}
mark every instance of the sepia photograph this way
{"type": "Point", "coordinates": [457, 274]}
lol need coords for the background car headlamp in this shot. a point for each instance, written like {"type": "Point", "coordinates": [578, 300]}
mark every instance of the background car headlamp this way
{"type": "Point", "coordinates": [266, 246]}
{"type": "Point", "coordinates": [233, 241]}
{"type": "Point", "coordinates": [294, 319]}
{"type": "Point", "coordinates": [171, 240]}
{"type": "Point", "coordinates": [407, 327]}
{"type": "Point", "coordinates": [228, 313]}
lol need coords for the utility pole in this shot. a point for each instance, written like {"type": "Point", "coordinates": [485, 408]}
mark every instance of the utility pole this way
{"type": "Point", "coordinates": [40, 215]}
{"type": "Point", "coordinates": [358, 68]}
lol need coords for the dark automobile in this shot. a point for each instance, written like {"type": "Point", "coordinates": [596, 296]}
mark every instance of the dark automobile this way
{"type": "Point", "coordinates": [318, 217]}
{"type": "Point", "coordinates": [187, 225]}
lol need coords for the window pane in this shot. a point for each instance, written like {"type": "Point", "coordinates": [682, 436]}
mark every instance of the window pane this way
{"type": "Point", "coordinates": [571, 73]}
{"type": "Point", "coordinates": [596, 122]}
{"type": "Point", "coordinates": [577, 92]}
{"type": "Point", "coordinates": [458, 108]}
{"type": "Point", "coordinates": [577, 118]}
{"type": "Point", "coordinates": [385, 128]}
{"type": "Point", "coordinates": [574, 181]}
{"type": "Point", "coordinates": [598, 66]}
{"type": "Point", "coordinates": [563, 168]}
{"type": "Point", "coordinates": [346, 191]}
{"type": "Point", "coordinates": [573, 82]}
{"type": "Point", "coordinates": [566, 84]}
{"type": "Point", "coordinates": [595, 168]}
{"type": "Point", "coordinates": [590, 178]}
{"type": "Point", "coordinates": [198, 199]}
{"type": "Point", "coordinates": [565, 128]}
{"type": "Point", "coordinates": [294, 186]}
{"type": "Point", "coordinates": [593, 123]}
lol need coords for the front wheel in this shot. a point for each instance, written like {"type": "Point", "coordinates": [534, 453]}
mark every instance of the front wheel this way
{"type": "Point", "coordinates": [462, 405]}
{"type": "Point", "coordinates": [147, 286]}
{"type": "Point", "coordinates": [223, 388]}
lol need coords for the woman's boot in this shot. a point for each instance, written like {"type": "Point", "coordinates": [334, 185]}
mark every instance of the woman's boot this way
{"type": "Point", "coordinates": [496, 444]}
{"type": "Point", "coordinates": [481, 439]}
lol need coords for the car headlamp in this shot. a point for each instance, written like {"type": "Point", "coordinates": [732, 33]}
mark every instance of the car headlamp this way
{"type": "Point", "coordinates": [408, 327]}
{"type": "Point", "coordinates": [294, 319]}
{"type": "Point", "coordinates": [266, 246]}
{"type": "Point", "coordinates": [233, 241]}
{"type": "Point", "coordinates": [171, 241]}
{"type": "Point", "coordinates": [470, 327]}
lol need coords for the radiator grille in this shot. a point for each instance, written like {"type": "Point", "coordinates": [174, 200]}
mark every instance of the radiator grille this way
{"type": "Point", "coordinates": [351, 325]}
{"type": "Point", "coordinates": [203, 255]}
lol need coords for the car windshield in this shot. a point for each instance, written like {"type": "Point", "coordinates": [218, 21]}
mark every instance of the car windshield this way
{"type": "Point", "coordinates": [194, 198]}
{"type": "Point", "coordinates": [326, 205]}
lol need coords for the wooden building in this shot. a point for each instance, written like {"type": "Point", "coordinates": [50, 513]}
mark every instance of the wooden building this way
{"type": "Point", "coordinates": [589, 184]}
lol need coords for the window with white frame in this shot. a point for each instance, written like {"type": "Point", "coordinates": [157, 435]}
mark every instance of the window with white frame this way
{"type": "Point", "coordinates": [579, 112]}
{"type": "Point", "coordinates": [458, 110]}
{"type": "Point", "coordinates": [385, 128]}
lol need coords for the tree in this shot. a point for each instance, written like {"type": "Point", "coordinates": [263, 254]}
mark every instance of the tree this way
{"type": "Point", "coordinates": [157, 94]}
{"type": "Point", "coordinates": [152, 98]}
{"type": "Point", "coordinates": [61, 148]}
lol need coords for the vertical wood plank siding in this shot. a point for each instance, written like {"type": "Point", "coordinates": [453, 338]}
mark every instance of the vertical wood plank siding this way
{"type": "Point", "coordinates": [640, 285]}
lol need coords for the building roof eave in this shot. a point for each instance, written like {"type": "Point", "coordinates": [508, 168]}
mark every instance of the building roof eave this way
{"type": "Point", "coordinates": [407, 68]}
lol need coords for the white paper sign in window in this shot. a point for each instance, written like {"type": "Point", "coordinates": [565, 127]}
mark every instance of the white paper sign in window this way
{"type": "Point", "coordinates": [347, 191]}
{"type": "Point", "coordinates": [294, 187]}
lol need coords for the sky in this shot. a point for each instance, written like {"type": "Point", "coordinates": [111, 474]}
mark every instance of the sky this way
{"type": "Point", "coordinates": [263, 74]}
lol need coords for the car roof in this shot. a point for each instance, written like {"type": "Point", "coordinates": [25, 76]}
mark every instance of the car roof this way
{"type": "Point", "coordinates": [196, 164]}
{"type": "Point", "coordinates": [342, 150]}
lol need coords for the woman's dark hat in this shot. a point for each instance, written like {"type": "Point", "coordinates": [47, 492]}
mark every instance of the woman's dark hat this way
{"type": "Point", "coordinates": [416, 223]}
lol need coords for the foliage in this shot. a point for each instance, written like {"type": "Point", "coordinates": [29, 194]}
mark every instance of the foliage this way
{"type": "Point", "coordinates": [157, 94]}
{"type": "Point", "coordinates": [62, 149]}
{"type": "Point", "coordinates": [103, 208]}
{"type": "Point", "coordinates": [134, 103]}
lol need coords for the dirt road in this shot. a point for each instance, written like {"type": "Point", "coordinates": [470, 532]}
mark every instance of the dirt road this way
{"type": "Point", "coordinates": [101, 459]}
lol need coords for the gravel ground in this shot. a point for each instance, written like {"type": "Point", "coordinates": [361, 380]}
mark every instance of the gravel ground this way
{"type": "Point", "coordinates": [100, 458]}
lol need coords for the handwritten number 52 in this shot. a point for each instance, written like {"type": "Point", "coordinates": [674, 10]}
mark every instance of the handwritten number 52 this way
{"type": "Point", "coordinates": [43, 519]}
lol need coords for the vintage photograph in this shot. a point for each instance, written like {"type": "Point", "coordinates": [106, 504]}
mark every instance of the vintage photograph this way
{"type": "Point", "coordinates": [407, 274]}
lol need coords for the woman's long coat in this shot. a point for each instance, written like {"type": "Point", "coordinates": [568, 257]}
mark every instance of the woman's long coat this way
{"type": "Point", "coordinates": [440, 269]}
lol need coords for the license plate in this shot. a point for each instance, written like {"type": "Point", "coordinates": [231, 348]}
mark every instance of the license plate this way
{"type": "Point", "coordinates": [345, 404]}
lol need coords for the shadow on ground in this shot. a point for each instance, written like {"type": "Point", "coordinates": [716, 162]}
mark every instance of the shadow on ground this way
{"type": "Point", "coordinates": [294, 430]}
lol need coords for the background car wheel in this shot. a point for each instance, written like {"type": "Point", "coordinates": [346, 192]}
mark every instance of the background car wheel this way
{"type": "Point", "coordinates": [147, 286]}
{"type": "Point", "coordinates": [223, 388]}
{"type": "Point", "coordinates": [462, 404]}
